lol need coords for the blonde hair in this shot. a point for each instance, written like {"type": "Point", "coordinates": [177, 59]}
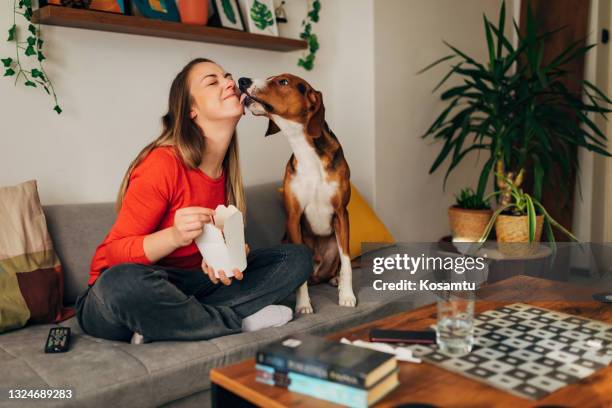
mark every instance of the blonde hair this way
{"type": "Point", "coordinates": [181, 132]}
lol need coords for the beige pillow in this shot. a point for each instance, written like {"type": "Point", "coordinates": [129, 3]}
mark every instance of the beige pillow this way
{"type": "Point", "coordinates": [31, 278]}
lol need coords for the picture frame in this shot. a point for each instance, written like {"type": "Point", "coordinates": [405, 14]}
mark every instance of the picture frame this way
{"type": "Point", "coordinates": [259, 16]}
{"type": "Point", "coordinates": [109, 6]}
{"type": "Point", "coordinates": [165, 10]}
{"type": "Point", "coordinates": [228, 14]}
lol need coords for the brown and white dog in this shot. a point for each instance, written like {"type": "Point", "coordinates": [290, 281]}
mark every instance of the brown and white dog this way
{"type": "Point", "coordinates": [316, 184]}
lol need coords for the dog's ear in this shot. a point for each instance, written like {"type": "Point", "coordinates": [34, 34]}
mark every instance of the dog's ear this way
{"type": "Point", "coordinates": [272, 128]}
{"type": "Point", "coordinates": [316, 112]}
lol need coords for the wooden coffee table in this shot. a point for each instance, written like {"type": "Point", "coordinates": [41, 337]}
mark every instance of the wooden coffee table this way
{"type": "Point", "coordinates": [235, 385]}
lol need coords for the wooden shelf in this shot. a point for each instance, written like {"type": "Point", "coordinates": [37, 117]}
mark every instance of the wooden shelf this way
{"type": "Point", "coordinates": [119, 23]}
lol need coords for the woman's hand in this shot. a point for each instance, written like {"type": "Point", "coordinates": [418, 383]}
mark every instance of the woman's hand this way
{"type": "Point", "coordinates": [189, 224]}
{"type": "Point", "coordinates": [222, 277]}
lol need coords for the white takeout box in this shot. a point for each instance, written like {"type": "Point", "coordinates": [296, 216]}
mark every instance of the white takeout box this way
{"type": "Point", "coordinates": [222, 243]}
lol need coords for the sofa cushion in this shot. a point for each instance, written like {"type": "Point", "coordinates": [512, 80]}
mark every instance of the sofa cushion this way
{"type": "Point", "coordinates": [76, 231]}
{"type": "Point", "coordinates": [108, 373]}
{"type": "Point", "coordinates": [265, 223]}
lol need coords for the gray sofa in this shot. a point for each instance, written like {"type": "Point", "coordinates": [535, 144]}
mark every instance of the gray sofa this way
{"type": "Point", "coordinates": [105, 373]}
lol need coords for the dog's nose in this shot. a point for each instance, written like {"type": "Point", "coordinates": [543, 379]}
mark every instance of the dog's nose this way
{"type": "Point", "coordinates": [244, 83]}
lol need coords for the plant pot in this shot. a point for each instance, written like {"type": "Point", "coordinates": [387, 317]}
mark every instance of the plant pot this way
{"type": "Point", "coordinates": [513, 234]}
{"type": "Point", "coordinates": [193, 11]}
{"type": "Point", "coordinates": [468, 225]}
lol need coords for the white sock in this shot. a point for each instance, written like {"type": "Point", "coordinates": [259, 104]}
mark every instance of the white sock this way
{"type": "Point", "coordinates": [137, 338]}
{"type": "Point", "coordinates": [269, 316]}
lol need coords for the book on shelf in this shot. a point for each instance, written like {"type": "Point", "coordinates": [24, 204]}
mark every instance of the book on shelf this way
{"type": "Point", "coordinates": [328, 360]}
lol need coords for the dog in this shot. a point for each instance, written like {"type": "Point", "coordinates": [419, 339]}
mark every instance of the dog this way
{"type": "Point", "coordinates": [316, 183]}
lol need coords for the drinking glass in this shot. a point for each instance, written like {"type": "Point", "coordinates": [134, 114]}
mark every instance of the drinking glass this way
{"type": "Point", "coordinates": [455, 329]}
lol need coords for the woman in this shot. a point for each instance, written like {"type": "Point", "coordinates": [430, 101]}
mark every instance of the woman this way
{"type": "Point", "coordinates": [148, 281]}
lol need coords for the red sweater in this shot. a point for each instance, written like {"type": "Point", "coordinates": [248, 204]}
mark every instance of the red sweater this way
{"type": "Point", "coordinates": [159, 185]}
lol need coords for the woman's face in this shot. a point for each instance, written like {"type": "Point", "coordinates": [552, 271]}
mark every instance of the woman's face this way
{"type": "Point", "coordinates": [214, 93]}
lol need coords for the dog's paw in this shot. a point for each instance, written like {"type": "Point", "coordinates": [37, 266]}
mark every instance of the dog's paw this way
{"type": "Point", "coordinates": [347, 299]}
{"type": "Point", "coordinates": [304, 309]}
{"type": "Point", "coordinates": [334, 281]}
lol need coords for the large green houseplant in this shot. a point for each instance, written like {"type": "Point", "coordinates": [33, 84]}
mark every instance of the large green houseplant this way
{"type": "Point", "coordinates": [516, 109]}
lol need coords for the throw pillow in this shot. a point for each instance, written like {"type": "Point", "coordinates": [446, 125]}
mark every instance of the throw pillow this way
{"type": "Point", "coordinates": [31, 278]}
{"type": "Point", "coordinates": [365, 226]}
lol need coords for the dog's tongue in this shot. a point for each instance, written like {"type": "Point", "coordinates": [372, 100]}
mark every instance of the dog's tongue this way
{"type": "Point", "coordinates": [243, 98]}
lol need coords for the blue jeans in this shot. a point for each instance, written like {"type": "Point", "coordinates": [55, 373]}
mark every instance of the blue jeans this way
{"type": "Point", "coordinates": [163, 303]}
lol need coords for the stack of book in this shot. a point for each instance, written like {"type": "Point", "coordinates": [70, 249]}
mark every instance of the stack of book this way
{"type": "Point", "coordinates": [336, 372]}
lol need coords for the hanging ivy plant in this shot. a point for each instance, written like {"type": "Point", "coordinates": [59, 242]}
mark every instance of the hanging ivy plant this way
{"type": "Point", "coordinates": [28, 52]}
{"type": "Point", "coordinates": [307, 61]}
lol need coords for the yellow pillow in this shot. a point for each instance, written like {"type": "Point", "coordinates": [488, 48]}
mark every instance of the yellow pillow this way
{"type": "Point", "coordinates": [365, 226]}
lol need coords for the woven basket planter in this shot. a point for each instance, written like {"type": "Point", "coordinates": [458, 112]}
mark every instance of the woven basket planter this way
{"type": "Point", "coordinates": [468, 225]}
{"type": "Point", "coordinates": [513, 234]}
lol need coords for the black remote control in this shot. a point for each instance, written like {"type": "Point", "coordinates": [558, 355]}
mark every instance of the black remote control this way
{"type": "Point", "coordinates": [58, 340]}
{"type": "Point", "coordinates": [403, 336]}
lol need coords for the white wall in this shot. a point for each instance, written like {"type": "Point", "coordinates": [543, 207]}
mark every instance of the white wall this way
{"type": "Point", "coordinates": [592, 220]}
{"type": "Point", "coordinates": [586, 220]}
{"type": "Point", "coordinates": [407, 37]}
{"type": "Point", "coordinates": [114, 89]}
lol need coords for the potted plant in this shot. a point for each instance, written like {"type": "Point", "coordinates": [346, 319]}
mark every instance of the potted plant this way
{"type": "Point", "coordinates": [521, 114]}
{"type": "Point", "coordinates": [519, 222]}
{"type": "Point", "coordinates": [469, 217]}
{"type": "Point", "coordinates": [193, 11]}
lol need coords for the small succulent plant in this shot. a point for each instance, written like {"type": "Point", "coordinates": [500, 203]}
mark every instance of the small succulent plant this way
{"type": "Point", "coordinates": [469, 200]}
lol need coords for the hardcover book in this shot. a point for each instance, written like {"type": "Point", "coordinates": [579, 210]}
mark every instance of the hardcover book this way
{"type": "Point", "coordinates": [328, 360]}
{"type": "Point", "coordinates": [327, 390]}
